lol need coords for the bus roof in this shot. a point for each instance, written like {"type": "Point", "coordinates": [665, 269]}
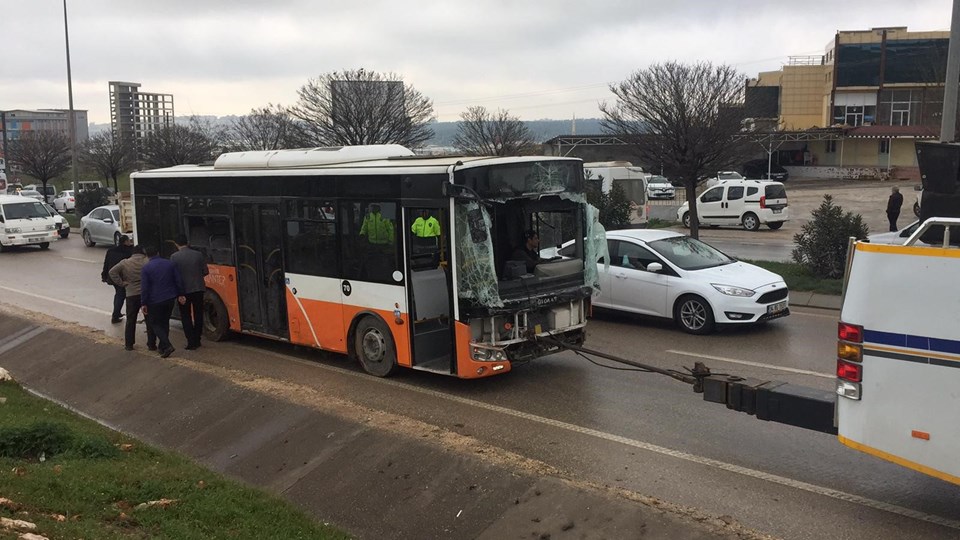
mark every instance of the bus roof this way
{"type": "Point", "coordinates": [357, 158]}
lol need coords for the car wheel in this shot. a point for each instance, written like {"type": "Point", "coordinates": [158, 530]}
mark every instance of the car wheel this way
{"type": "Point", "coordinates": [216, 321]}
{"type": "Point", "coordinates": [694, 315]}
{"type": "Point", "coordinates": [116, 238]}
{"type": "Point", "coordinates": [44, 245]}
{"type": "Point", "coordinates": [374, 347]}
{"type": "Point", "coordinates": [686, 219]}
{"type": "Point", "coordinates": [3, 248]}
{"type": "Point", "coordinates": [751, 222]}
{"type": "Point", "coordinates": [916, 208]}
{"type": "Point", "coordinates": [87, 241]}
{"type": "Point", "coordinates": [775, 224]}
{"type": "Point", "coordinates": [64, 233]}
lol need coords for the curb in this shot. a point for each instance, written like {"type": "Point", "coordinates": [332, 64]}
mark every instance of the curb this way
{"type": "Point", "coordinates": [816, 300]}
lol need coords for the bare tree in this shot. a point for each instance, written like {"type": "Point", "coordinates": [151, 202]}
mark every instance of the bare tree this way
{"type": "Point", "coordinates": [268, 128]}
{"type": "Point", "coordinates": [43, 155]}
{"type": "Point", "coordinates": [484, 133]}
{"type": "Point", "coordinates": [179, 144]}
{"type": "Point", "coordinates": [684, 118]}
{"type": "Point", "coordinates": [361, 107]}
{"type": "Point", "coordinates": [110, 156]}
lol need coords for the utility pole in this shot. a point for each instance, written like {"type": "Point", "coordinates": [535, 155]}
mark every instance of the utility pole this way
{"type": "Point", "coordinates": [71, 119]}
{"type": "Point", "coordinates": [948, 123]}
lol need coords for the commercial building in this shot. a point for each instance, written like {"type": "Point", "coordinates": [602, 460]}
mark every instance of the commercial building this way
{"type": "Point", "coordinates": [134, 113]}
{"type": "Point", "coordinates": [17, 122]}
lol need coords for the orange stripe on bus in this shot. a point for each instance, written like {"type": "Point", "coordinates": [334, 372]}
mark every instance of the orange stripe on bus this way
{"type": "Point", "coordinates": [223, 281]}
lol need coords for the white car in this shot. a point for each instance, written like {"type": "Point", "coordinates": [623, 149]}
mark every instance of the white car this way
{"type": "Point", "coordinates": [63, 226]}
{"type": "Point", "coordinates": [897, 238]}
{"type": "Point", "coordinates": [32, 193]}
{"type": "Point", "coordinates": [723, 176]}
{"type": "Point", "coordinates": [102, 225]}
{"type": "Point", "coordinates": [65, 201]}
{"type": "Point", "coordinates": [746, 203]}
{"type": "Point", "coordinates": [667, 274]}
{"type": "Point", "coordinates": [658, 187]}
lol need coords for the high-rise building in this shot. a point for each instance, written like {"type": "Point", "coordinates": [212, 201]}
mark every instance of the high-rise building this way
{"type": "Point", "coordinates": [134, 113]}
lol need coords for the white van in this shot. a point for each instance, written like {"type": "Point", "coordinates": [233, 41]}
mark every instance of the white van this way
{"type": "Point", "coordinates": [746, 203]}
{"type": "Point", "coordinates": [24, 221]}
{"type": "Point", "coordinates": [632, 179]}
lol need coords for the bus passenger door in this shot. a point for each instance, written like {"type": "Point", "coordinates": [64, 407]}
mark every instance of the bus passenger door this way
{"type": "Point", "coordinates": [429, 288]}
{"type": "Point", "coordinates": [260, 281]}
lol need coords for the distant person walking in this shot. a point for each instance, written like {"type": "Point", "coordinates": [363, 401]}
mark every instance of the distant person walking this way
{"type": "Point", "coordinates": [160, 287]}
{"type": "Point", "coordinates": [894, 203]}
{"type": "Point", "coordinates": [114, 255]}
{"type": "Point", "coordinates": [126, 274]}
{"type": "Point", "coordinates": [192, 266]}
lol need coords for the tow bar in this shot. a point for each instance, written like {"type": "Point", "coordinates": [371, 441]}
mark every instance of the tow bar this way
{"type": "Point", "coordinates": [773, 401]}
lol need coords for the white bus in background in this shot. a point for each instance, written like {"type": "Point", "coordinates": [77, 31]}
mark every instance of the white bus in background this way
{"type": "Point", "coordinates": [631, 178]}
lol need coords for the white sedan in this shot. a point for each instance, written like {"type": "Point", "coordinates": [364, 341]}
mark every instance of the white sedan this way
{"type": "Point", "coordinates": [101, 225]}
{"type": "Point", "coordinates": [65, 201]}
{"type": "Point", "coordinates": [667, 274]}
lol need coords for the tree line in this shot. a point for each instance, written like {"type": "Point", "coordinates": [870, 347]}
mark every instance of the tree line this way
{"type": "Point", "coordinates": [684, 119]}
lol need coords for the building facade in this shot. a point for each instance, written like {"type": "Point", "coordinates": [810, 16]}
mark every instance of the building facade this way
{"type": "Point", "coordinates": [135, 114]}
{"type": "Point", "coordinates": [17, 122]}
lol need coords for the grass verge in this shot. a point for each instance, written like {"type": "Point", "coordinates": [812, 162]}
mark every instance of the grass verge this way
{"type": "Point", "coordinates": [799, 278]}
{"type": "Point", "coordinates": [73, 478]}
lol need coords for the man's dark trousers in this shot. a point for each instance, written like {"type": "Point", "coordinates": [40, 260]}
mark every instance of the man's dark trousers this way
{"type": "Point", "coordinates": [191, 317]}
{"type": "Point", "coordinates": [892, 216]}
{"type": "Point", "coordinates": [119, 295]}
{"type": "Point", "coordinates": [130, 329]}
{"type": "Point", "coordinates": [158, 317]}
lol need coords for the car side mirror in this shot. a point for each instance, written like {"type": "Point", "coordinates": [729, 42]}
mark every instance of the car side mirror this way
{"type": "Point", "coordinates": [654, 267]}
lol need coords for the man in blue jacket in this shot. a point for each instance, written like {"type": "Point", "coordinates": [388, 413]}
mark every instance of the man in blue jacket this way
{"type": "Point", "coordinates": [160, 287]}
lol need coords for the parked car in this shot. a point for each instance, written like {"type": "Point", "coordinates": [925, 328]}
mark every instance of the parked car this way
{"type": "Point", "coordinates": [24, 221]}
{"type": "Point", "coordinates": [748, 203]}
{"type": "Point", "coordinates": [63, 226]}
{"type": "Point", "coordinates": [897, 238]}
{"type": "Point", "coordinates": [32, 193]}
{"type": "Point", "coordinates": [723, 176]}
{"type": "Point", "coordinates": [667, 274]}
{"type": "Point", "coordinates": [50, 191]}
{"type": "Point", "coordinates": [102, 225]}
{"type": "Point", "coordinates": [658, 187]}
{"type": "Point", "coordinates": [65, 201]}
{"type": "Point", "coordinates": [757, 168]}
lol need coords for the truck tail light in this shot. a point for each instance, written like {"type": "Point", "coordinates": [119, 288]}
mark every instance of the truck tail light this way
{"type": "Point", "coordinates": [850, 332]}
{"type": "Point", "coordinates": [763, 201]}
{"type": "Point", "coordinates": [850, 352]}
{"type": "Point", "coordinates": [849, 372]}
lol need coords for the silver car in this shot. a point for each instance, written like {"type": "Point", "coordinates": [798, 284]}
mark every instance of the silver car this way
{"type": "Point", "coordinates": [102, 225]}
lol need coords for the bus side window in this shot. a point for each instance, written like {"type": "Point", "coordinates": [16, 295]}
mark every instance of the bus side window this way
{"type": "Point", "coordinates": [369, 239]}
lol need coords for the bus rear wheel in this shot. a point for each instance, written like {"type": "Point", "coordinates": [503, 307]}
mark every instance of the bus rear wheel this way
{"type": "Point", "coordinates": [374, 347]}
{"type": "Point", "coordinates": [216, 321]}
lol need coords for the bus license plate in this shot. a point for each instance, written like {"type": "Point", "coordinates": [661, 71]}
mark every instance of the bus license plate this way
{"type": "Point", "coordinates": [776, 308]}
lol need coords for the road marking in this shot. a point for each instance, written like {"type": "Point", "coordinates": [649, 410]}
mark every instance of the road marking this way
{"type": "Point", "coordinates": [754, 364]}
{"type": "Point", "coordinates": [56, 301]}
{"type": "Point", "coordinates": [81, 260]}
{"type": "Point", "coordinates": [18, 338]}
{"type": "Point", "coordinates": [737, 469]}
{"type": "Point", "coordinates": [745, 471]}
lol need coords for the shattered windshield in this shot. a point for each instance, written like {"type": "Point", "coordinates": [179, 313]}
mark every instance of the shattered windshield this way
{"type": "Point", "coordinates": [517, 179]}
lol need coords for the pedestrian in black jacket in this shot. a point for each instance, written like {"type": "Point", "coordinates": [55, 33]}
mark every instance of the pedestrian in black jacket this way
{"type": "Point", "coordinates": [114, 255]}
{"type": "Point", "coordinates": [894, 203]}
{"type": "Point", "coordinates": [192, 266]}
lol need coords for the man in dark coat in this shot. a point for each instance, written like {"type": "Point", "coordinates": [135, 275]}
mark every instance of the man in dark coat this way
{"type": "Point", "coordinates": [192, 266]}
{"type": "Point", "coordinates": [160, 288]}
{"type": "Point", "coordinates": [894, 203]}
{"type": "Point", "coordinates": [113, 257]}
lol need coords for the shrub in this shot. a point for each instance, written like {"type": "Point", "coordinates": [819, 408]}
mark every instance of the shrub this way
{"type": "Point", "coordinates": [89, 199]}
{"type": "Point", "coordinates": [614, 206]}
{"type": "Point", "coordinates": [822, 243]}
{"type": "Point", "coordinates": [29, 442]}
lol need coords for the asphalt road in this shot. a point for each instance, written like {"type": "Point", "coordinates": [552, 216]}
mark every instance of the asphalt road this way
{"type": "Point", "coordinates": [630, 430]}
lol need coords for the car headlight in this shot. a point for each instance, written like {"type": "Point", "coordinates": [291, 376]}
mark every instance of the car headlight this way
{"type": "Point", "coordinates": [730, 290]}
{"type": "Point", "coordinates": [51, 227]}
{"type": "Point", "coordinates": [12, 230]}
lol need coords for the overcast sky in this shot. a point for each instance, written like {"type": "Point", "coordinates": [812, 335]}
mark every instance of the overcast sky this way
{"type": "Point", "coordinates": [537, 59]}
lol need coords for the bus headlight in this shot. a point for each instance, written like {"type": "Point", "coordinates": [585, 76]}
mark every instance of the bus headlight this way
{"type": "Point", "coordinates": [487, 354]}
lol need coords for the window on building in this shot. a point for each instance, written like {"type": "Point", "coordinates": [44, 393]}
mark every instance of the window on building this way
{"type": "Point", "coordinates": [830, 146]}
{"type": "Point", "coordinates": [901, 107]}
{"type": "Point", "coordinates": [854, 115]}
{"type": "Point", "coordinates": [884, 146]}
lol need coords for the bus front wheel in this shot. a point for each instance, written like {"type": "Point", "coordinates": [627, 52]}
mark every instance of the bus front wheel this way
{"type": "Point", "coordinates": [374, 347]}
{"type": "Point", "coordinates": [216, 321]}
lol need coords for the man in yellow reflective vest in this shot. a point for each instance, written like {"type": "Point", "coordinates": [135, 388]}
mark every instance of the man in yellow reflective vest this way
{"type": "Point", "coordinates": [377, 229]}
{"type": "Point", "coordinates": [426, 226]}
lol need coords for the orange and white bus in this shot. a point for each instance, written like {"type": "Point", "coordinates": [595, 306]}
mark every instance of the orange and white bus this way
{"type": "Point", "coordinates": [322, 247]}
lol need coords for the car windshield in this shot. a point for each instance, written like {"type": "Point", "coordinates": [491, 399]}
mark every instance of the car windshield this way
{"type": "Point", "coordinates": [657, 180]}
{"type": "Point", "coordinates": [24, 210]}
{"type": "Point", "coordinates": [689, 254]}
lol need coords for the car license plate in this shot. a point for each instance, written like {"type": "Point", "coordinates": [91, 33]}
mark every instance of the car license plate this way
{"type": "Point", "coordinates": [34, 240]}
{"type": "Point", "coordinates": [776, 308]}
{"type": "Point", "coordinates": [777, 210]}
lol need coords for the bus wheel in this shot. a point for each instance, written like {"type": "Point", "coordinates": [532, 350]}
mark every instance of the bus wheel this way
{"type": "Point", "coordinates": [216, 321]}
{"type": "Point", "coordinates": [374, 347]}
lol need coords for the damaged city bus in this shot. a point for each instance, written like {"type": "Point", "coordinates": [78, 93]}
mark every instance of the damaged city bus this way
{"type": "Point", "coordinates": [395, 259]}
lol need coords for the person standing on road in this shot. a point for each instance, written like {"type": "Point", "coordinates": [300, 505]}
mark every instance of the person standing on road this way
{"type": "Point", "coordinates": [126, 274]}
{"type": "Point", "coordinates": [114, 255]}
{"type": "Point", "coordinates": [894, 203]}
{"type": "Point", "coordinates": [192, 266]}
{"type": "Point", "coordinates": [160, 287]}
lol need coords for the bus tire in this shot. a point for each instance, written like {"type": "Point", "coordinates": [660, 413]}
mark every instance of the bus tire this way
{"type": "Point", "coordinates": [216, 320]}
{"type": "Point", "coordinates": [374, 348]}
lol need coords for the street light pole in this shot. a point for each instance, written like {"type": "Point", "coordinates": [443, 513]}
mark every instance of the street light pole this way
{"type": "Point", "coordinates": [71, 119]}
